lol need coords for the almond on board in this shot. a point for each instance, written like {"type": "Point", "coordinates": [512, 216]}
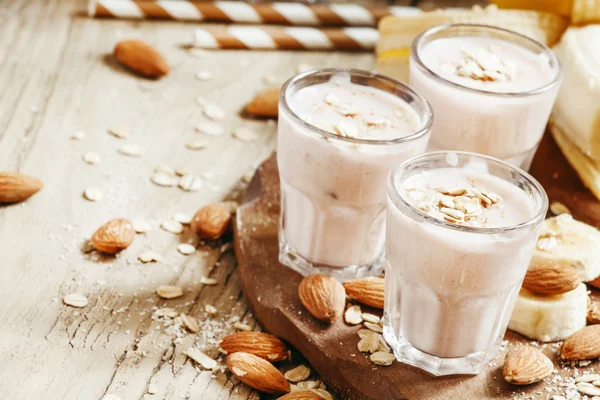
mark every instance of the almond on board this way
{"type": "Point", "coordinates": [211, 221]}
{"type": "Point", "coordinates": [369, 291]}
{"type": "Point", "coordinates": [582, 345]}
{"type": "Point", "coordinates": [114, 236]}
{"type": "Point", "coordinates": [141, 58]}
{"type": "Point", "coordinates": [15, 187]}
{"type": "Point", "coordinates": [525, 365]}
{"type": "Point", "coordinates": [323, 296]}
{"type": "Point", "coordinates": [257, 373]}
{"type": "Point", "coordinates": [260, 344]}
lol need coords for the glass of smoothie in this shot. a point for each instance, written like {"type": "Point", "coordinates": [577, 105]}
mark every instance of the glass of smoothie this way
{"type": "Point", "coordinates": [461, 229]}
{"type": "Point", "coordinates": [491, 89]}
{"type": "Point", "coordinates": [340, 133]}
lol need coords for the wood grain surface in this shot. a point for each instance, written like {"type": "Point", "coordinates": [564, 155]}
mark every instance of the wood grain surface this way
{"type": "Point", "coordinates": [57, 77]}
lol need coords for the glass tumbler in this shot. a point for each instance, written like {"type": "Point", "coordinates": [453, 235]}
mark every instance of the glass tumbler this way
{"type": "Point", "coordinates": [450, 288]}
{"type": "Point", "coordinates": [505, 125]}
{"type": "Point", "coordinates": [333, 188]}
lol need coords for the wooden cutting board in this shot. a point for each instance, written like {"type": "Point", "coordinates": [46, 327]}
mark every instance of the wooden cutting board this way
{"type": "Point", "coordinates": [271, 292]}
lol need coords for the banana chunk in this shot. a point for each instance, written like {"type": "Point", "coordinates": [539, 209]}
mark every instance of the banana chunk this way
{"type": "Point", "coordinates": [565, 240]}
{"type": "Point", "coordinates": [549, 318]}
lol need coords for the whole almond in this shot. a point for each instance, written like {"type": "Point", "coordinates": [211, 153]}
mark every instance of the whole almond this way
{"type": "Point", "coordinates": [15, 187]}
{"type": "Point", "coordinates": [525, 365]}
{"type": "Point", "coordinates": [301, 395]}
{"type": "Point", "coordinates": [114, 236]}
{"type": "Point", "coordinates": [257, 373]}
{"type": "Point", "coordinates": [260, 344]}
{"type": "Point", "coordinates": [369, 291]}
{"type": "Point", "coordinates": [211, 222]}
{"type": "Point", "coordinates": [264, 104]}
{"type": "Point", "coordinates": [323, 296]}
{"type": "Point", "coordinates": [551, 278]}
{"type": "Point", "coordinates": [582, 345]}
{"type": "Point", "coordinates": [141, 58]}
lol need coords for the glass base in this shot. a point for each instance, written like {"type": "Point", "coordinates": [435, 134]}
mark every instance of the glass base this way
{"type": "Point", "coordinates": [405, 353]}
{"type": "Point", "coordinates": [295, 261]}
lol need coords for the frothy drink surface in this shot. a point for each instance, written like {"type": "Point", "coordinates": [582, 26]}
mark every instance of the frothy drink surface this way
{"type": "Point", "coordinates": [451, 292]}
{"type": "Point", "coordinates": [334, 191]}
{"type": "Point", "coordinates": [486, 63]}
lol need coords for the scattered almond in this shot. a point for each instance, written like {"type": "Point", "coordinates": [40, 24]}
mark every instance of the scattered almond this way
{"type": "Point", "coordinates": [301, 395]}
{"type": "Point", "coordinates": [582, 345]}
{"type": "Point", "coordinates": [323, 296]}
{"type": "Point", "coordinates": [369, 291]}
{"type": "Point", "coordinates": [190, 323]}
{"type": "Point", "coordinates": [551, 278]}
{"type": "Point", "coordinates": [211, 221]}
{"type": "Point", "coordinates": [75, 300]}
{"type": "Point", "coordinates": [525, 365]}
{"type": "Point", "coordinates": [141, 58]}
{"type": "Point", "coordinates": [260, 344]}
{"type": "Point", "coordinates": [264, 104]}
{"type": "Point", "coordinates": [113, 237]}
{"type": "Point", "coordinates": [15, 187]}
{"type": "Point", "coordinates": [257, 373]}
{"type": "Point", "coordinates": [169, 291]}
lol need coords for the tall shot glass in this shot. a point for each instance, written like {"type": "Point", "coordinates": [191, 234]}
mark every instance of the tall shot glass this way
{"type": "Point", "coordinates": [333, 188]}
{"type": "Point", "coordinates": [450, 288]}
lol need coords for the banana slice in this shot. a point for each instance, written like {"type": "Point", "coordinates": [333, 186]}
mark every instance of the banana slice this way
{"type": "Point", "coordinates": [578, 54]}
{"type": "Point", "coordinates": [549, 318]}
{"type": "Point", "coordinates": [565, 240]}
{"type": "Point", "coordinates": [396, 33]}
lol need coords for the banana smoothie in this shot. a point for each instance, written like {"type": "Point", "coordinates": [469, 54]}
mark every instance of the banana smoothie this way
{"type": "Point", "coordinates": [491, 90]}
{"type": "Point", "coordinates": [461, 230]}
{"type": "Point", "coordinates": [340, 133]}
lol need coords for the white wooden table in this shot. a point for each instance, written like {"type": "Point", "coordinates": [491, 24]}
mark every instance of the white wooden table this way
{"type": "Point", "coordinates": [57, 77]}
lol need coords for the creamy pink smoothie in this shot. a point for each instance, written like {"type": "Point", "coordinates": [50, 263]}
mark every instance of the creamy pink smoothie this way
{"type": "Point", "coordinates": [333, 186]}
{"type": "Point", "coordinates": [489, 95]}
{"type": "Point", "coordinates": [451, 282]}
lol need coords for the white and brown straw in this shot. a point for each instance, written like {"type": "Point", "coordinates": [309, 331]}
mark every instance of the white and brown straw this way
{"type": "Point", "coordinates": [285, 38]}
{"type": "Point", "coordinates": [239, 12]}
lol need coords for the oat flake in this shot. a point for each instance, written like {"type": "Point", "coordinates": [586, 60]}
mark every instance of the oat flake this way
{"type": "Point", "coordinates": [298, 374]}
{"type": "Point", "coordinates": [242, 327]}
{"type": "Point", "coordinates": [140, 225]}
{"type": "Point", "coordinates": [119, 133]}
{"type": "Point", "coordinates": [172, 226]}
{"type": "Point", "coordinates": [91, 158]}
{"type": "Point", "coordinates": [352, 315]}
{"type": "Point", "coordinates": [78, 135]}
{"type": "Point", "coordinates": [210, 309]}
{"type": "Point", "coordinates": [164, 180]}
{"type": "Point", "coordinates": [214, 112]}
{"type": "Point", "coordinates": [208, 281]}
{"type": "Point", "coordinates": [169, 291]}
{"type": "Point", "coordinates": [196, 144]}
{"type": "Point", "coordinates": [75, 300]}
{"type": "Point", "coordinates": [190, 323]}
{"type": "Point", "coordinates": [164, 169]}
{"type": "Point", "coordinates": [183, 218]}
{"type": "Point", "coordinates": [150, 256]}
{"type": "Point", "coordinates": [202, 359]}
{"type": "Point", "coordinates": [92, 194]}
{"type": "Point", "coordinates": [203, 75]}
{"type": "Point", "coordinates": [190, 183]}
{"type": "Point", "coordinates": [131, 150]}
{"type": "Point", "coordinates": [382, 358]}
{"type": "Point", "coordinates": [244, 134]}
{"type": "Point", "coordinates": [186, 249]}
{"type": "Point", "coordinates": [210, 128]}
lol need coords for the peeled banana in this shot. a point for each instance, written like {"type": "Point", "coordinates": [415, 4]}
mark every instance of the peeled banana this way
{"type": "Point", "coordinates": [566, 240]}
{"type": "Point", "coordinates": [549, 318]}
{"type": "Point", "coordinates": [396, 33]}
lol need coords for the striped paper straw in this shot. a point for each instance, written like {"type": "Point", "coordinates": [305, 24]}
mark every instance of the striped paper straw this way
{"type": "Point", "coordinates": [240, 12]}
{"type": "Point", "coordinates": [286, 38]}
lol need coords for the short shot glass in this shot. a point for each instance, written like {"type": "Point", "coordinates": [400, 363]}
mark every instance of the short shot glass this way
{"type": "Point", "coordinates": [499, 114]}
{"type": "Point", "coordinates": [333, 187]}
{"type": "Point", "coordinates": [451, 284]}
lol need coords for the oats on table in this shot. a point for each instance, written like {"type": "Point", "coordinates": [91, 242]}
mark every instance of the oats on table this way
{"type": "Point", "coordinates": [372, 318]}
{"type": "Point", "coordinates": [210, 309]}
{"type": "Point", "coordinates": [190, 323]}
{"type": "Point", "coordinates": [558, 208]}
{"type": "Point", "coordinates": [213, 112]}
{"type": "Point", "coordinates": [202, 359]}
{"type": "Point", "coordinates": [140, 225]}
{"type": "Point", "coordinates": [210, 128]}
{"type": "Point", "coordinates": [77, 135]}
{"type": "Point", "coordinates": [164, 169]}
{"type": "Point", "coordinates": [169, 291]}
{"type": "Point", "coordinates": [196, 144]}
{"type": "Point", "coordinates": [298, 374]}
{"type": "Point", "coordinates": [163, 179]}
{"type": "Point", "coordinates": [207, 281]}
{"type": "Point", "coordinates": [91, 158]}
{"type": "Point", "coordinates": [244, 134]}
{"type": "Point", "coordinates": [75, 300]}
{"type": "Point", "coordinates": [242, 327]}
{"type": "Point", "coordinates": [203, 75]}
{"type": "Point", "coordinates": [352, 315]}
{"type": "Point", "coordinates": [186, 249]}
{"type": "Point", "coordinates": [93, 194]}
{"type": "Point", "coordinates": [190, 183]}
{"type": "Point", "coordinates": [382, 358]}
{"type": "Point", "coordinates": [373, 327]}
{"type": "Point", "coordinates": [132, 150]}
{"type": "Point", "coordinates": [149, 256]}
{"type": "Point", "coordinates": [172, 226]}
{"type": "Point", "coordinates": [182, 218]}
{"type": "Point", "coordinates": [119, 133]}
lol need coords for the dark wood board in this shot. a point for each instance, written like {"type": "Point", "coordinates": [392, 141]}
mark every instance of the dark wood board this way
{"type": "Point", "coordinates": [271, 292]}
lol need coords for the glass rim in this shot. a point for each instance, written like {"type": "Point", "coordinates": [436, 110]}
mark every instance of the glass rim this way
{"type": "Point", "coordinates": [426, 122]}
{"type": "Point", "coordinates": [397, 198]}
{"type": "Point", "coordinates": [414, 54]}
